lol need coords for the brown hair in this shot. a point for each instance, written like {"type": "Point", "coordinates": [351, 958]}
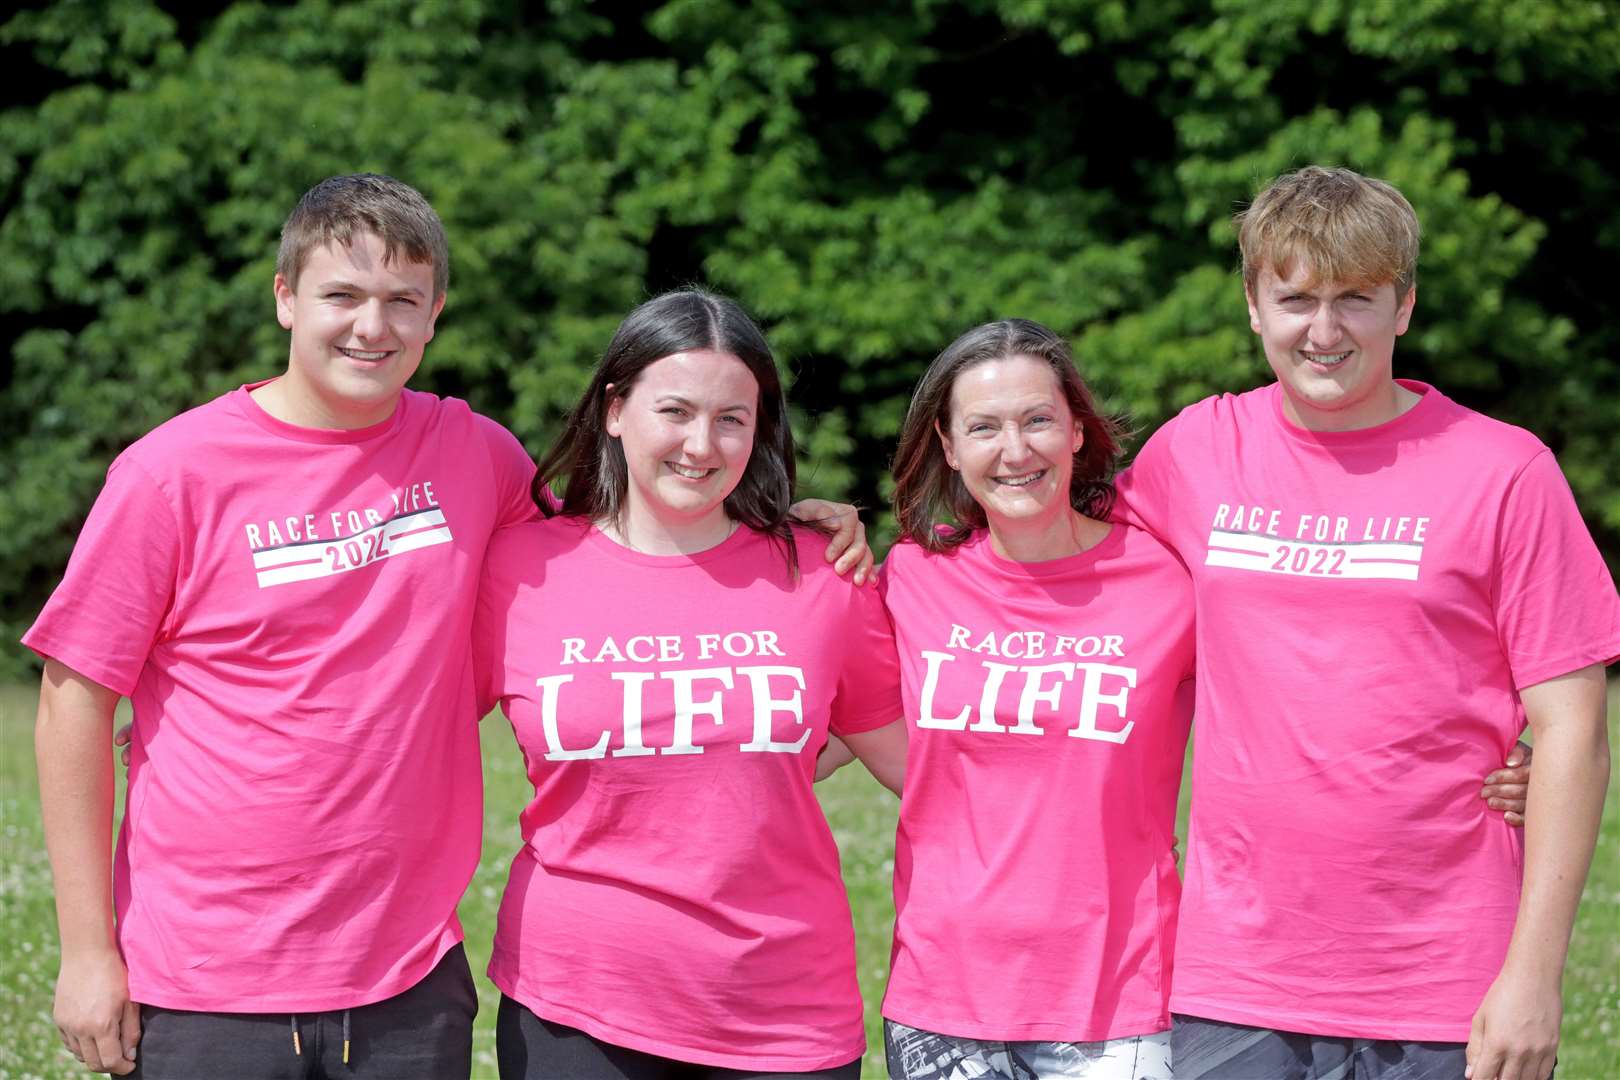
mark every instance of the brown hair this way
{"type": "Point", "coordinates": [592, 461]}
{"type": "Point", "coordinates": [929, 494]}
{"type": "Point", "coordinates": [1344, 226]}
{"type": "Point", "coordinates": [337, 209]}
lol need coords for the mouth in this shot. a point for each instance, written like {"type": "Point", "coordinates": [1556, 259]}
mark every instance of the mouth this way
{"type": "Point", "coordinates": [1022, 480]}
{"type": "Point", "coordinates": [367, 355]}
{"type": "Point", "coordinates": [687, 472]}
{"type": "Point", "coordinates": [1325, 360]}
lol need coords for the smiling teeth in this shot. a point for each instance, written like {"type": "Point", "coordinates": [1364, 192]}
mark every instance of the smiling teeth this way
{"type": "Point", "coordinates": [1020, 481]}
{"type": "Point", "coordinates": [359, 354]}
{"type": "Point", "coordinates": [690, 474]}
{"type": "Point", "coordinates": [1327, 359]}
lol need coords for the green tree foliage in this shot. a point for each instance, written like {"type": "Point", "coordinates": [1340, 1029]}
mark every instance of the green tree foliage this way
{"type": "Point", "coordinates": [871, 179]}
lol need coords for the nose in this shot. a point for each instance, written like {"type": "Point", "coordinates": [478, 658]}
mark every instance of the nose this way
{"type": "Point", "coordinates": [699, 441]}
{"type": "Point", "coordinates": [1014, 446]}
{"type": "Point", "coordinates": [1324, 330]}
{"type": "Point", "coordinates": [369, 323]}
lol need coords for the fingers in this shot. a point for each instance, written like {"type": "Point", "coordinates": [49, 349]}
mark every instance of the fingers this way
{"type": "Point", "coordinates": [850, 547]}
{"type": "Point", "coordinates": [129, 1030]}
{"type": "Point", "coordinates": [1520, 754]}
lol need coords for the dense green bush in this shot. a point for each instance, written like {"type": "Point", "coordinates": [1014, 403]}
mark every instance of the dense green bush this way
{"type": "Point", "coordinates": [870, 178]}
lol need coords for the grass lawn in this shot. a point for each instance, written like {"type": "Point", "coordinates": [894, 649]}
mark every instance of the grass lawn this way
{"type": "Point", "coordinates": [862, 817]}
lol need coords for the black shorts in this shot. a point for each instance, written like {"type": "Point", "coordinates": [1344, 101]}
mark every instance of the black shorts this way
{"type": "Point", "coordinates": [425, 1031]}
{"type": "Point", "coordinates": [532, 1048]}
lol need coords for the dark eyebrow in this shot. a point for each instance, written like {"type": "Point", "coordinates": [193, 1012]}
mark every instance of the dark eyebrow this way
{"type": "Point", "coordinates": [677, 399]}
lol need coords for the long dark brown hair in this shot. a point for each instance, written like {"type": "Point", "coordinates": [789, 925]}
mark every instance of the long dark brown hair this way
{"type": "Point", "coordinates": [591, 462]}
{"type": "Point", "coordinates": [928, 493]}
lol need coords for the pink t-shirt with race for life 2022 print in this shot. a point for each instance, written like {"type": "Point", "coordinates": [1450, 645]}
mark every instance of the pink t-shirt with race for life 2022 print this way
{"type": "Point", "coordinates": [1370, 604]}
{"type": "Point", "coordinates": [1047, 707]}
{"type": "Point", "coordinates": [678, 889]}
{"type": "Point", "coordinates": [290, 611]}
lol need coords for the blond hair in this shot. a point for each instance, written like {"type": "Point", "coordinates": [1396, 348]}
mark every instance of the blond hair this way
{"type": "Point", "coordinates": [340, 207]}
{"type": "Point", "coordinates": [1343, 226]}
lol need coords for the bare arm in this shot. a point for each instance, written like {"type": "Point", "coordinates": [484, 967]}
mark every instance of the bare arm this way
{"type": "Point", "coordinates": [72, 742]}
{"type": "Point", "coordinates": [883, 752]}
{"type": "Point", "coordinates": [1515, 1031]}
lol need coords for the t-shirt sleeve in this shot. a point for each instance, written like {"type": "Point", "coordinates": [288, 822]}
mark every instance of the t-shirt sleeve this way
{"type": "Point", "coordinates": [107, 614]}
{"type": "Point", "coordinates": [514, 473]}
{"type": "Point", "coordinates": [869, 684]}
{"type": "Point", "coordinates": [489, 628]}
{"type": "Point", "coordinates": [1147, 489]}
{"type": "Point", "coordinates": [1556, 606]}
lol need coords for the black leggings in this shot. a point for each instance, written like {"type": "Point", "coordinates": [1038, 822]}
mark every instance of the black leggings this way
{"type": "Point", "coordinates": [530, 1048]}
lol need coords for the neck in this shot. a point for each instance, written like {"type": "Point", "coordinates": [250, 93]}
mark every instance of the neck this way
{"type": "Point", "coordinates": [652, 536]}
{"type": "Point", "coordinates": [1067, 534]}
{"type": "Point", "coordinates": [282, 400]}
{"type": "Point", "coordinates": [1384, 406]}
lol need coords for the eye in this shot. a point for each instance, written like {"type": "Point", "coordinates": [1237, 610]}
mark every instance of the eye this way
{"type": "Point", "coordinates": [406, 301]}
{"type": "Point", "coordinates": [674, 411]}
{"type": "Point", "coordinates": [731, 419]}
{"type": "Point", "coordinates": [979, 429]}
{"type": "Point", "coordinates": [337, 294]}
{"type": "Point", "coordinates": [1039, 421]}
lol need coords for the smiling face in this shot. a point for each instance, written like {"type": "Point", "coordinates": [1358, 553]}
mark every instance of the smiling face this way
{"type": "Point", "coordinates": [1332, 346]}
{"type": "Point", "coordinates": [359, 326]}
{"type": "Point", "coordinates": [687, 431]}
{"type": "Point", "coordinates": [1012, 437]}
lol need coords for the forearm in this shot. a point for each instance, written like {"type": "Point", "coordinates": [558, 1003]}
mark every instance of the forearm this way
{"type": "Point", "coordinates": [73, 746]}
{"type": "Point", "coordinates": [883, 752]}
{"type": "Point", "coordinates": [1565, 806]}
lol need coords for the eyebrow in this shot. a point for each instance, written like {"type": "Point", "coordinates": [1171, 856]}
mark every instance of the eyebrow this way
{"type": "Point", "coordinates": [679, 400]}
{"type": "Point", "coordinates": [349, 286]}
{"type": "Point", "coordinates": [1045, 406]}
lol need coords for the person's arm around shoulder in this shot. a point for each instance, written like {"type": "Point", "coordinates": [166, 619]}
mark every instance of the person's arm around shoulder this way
{"type": "Point", "coordinates": [1515, 1031]}
{"type": "Point", "coordinates": [93, 1013]}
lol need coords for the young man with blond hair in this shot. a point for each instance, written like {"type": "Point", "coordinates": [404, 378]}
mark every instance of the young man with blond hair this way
{"type": "Point", "coordinates": [283, 580]}
{"type": "Point", "coordinates": [1389, 586]}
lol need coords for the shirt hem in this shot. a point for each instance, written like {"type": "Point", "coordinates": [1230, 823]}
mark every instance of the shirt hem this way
{"type": "Point", "coordinates": [1604, 654]}
{"type": "Point", "coordinates": [609, 1033]}
{"type": "Point", "coordinates": [146, 994]}
{"type": "Point", "coordinates": [1055, 1031]}
{"type": "Point", "coordinates": [87, 664]}
{"type": "Point", "coordinates": [1340, 1027]}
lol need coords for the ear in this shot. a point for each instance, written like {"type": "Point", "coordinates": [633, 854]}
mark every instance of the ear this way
{"type": "Point", "coordinates": [945, 442]}
{"type": "Point", "coordinates": [1079, 438]}
{"type": "Point", "coordinates": [284, 302]}
{"type": "Point", "coordinates": [1254, 309]}
{"type": "Point", "coordinates": [1403, 313]}
{"type": "Point", "coordinates": [433, 316]}
{"type": "Point", "coordinates": [613, 418]}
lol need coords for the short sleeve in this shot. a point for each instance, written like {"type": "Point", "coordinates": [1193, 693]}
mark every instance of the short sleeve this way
{"type": "Point", "coordinates": [1555, 603]}
{"type": "Point", "coordinates": [106, 616]}
{"type": "Point", "coordinates": [1147, 488]}
{"type": "Point", "coordinates": [489, 626]}
{"type": "Point", "coordinates": [869, 684]}
{"type": "Point", "coordinates": [514, 474]}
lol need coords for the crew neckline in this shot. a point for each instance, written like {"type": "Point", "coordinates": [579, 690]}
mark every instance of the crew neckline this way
{"type": "Point", "coordinates": [741, 535]}
{"type": "Point", "coordinates": [1418, 415]}
{"type": "Point", "coordinates": [243, 399]}
{"type": "Point", "coordinates": [980, 544]}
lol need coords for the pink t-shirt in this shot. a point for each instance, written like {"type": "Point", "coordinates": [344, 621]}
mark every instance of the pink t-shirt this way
{"type": "Point", "coordinates": [1370, 604]}
{"type": "Point", "coordinates": [678, 890]}
{"type": "Point", "coordinates": [290, 611]}
{"type": "Point", "coordinates": [1047, 706]}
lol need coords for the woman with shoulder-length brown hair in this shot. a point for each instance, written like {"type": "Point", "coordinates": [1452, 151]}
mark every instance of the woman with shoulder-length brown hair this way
{"type": "Point", "coordinates": [1044, 657]}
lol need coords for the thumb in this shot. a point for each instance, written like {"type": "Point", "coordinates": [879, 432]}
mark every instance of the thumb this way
{"type": "Point", "coordinates": [129, 1029]}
